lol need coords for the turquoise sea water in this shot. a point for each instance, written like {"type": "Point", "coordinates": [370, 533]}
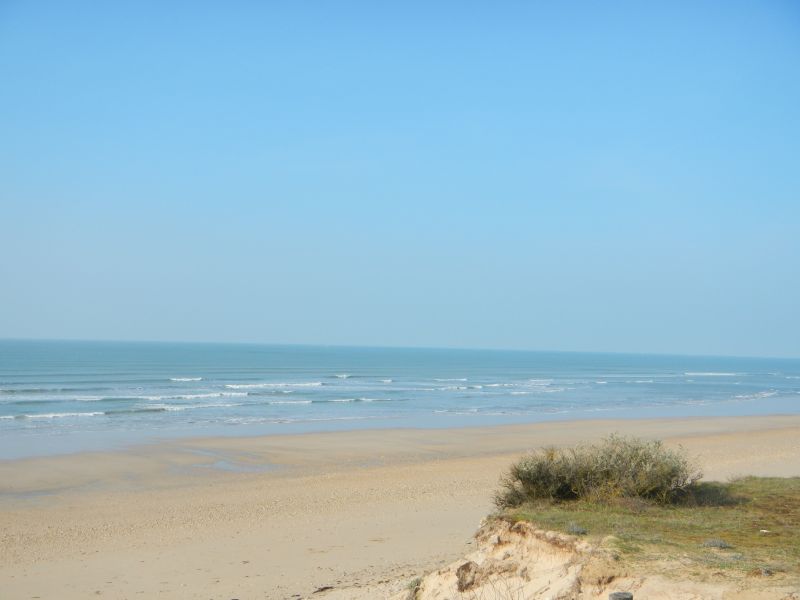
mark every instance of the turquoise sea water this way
{"type": "Point", "coordinates": [65, 396]}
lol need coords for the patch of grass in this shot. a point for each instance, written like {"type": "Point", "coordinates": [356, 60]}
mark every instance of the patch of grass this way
{"type": "Point", "coordinates": [717, 543]}
{"type": "Point", "coordinates": [758, 519]}
{"type": "Point", "coordinates": [575, 529]}
{"type": "Point", "coordinates": [413, 588]}
{"type": "Point", "coordinates": [618, 467]}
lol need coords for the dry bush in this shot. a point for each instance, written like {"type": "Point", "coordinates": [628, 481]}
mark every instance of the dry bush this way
{"type": "Point", "coordinates": [617, 467]}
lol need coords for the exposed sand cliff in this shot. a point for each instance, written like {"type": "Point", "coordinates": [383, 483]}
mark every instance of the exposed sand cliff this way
{"type": "Point", "coordinates": [517, 561]}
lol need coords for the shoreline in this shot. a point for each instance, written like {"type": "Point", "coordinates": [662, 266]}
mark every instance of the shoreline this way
{"type": "Point", "coordinates": [48, 445]}
{"type": "Point", "coordinates": [288, 453]}
{"type": "Point", "coordinates": [273, 516]}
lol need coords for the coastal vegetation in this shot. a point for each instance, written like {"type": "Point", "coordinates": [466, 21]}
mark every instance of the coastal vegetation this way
{"type": "Point", "coordinates": [646, 503]}
{"type": "Point", "coordinates": [618, 467]}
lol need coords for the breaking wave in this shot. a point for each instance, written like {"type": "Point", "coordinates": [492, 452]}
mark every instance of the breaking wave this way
{"type": "Point", "coordinates": [712, 374]}
{"type": "Point", "coordinates": [255, 386]}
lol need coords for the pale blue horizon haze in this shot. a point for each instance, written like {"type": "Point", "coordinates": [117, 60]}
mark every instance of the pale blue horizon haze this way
{"type": "Point", "coordinates": [615, 177]}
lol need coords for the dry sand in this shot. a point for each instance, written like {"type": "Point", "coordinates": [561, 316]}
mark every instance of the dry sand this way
{"type": "Point", "coordinates": [282, 516]}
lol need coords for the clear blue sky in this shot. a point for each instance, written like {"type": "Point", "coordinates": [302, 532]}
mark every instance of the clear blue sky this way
{"type": "Point", "coordinates": [565, 176]}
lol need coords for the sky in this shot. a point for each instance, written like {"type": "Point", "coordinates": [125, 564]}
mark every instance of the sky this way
{"type": "Point", "coordinates": [615, 176]}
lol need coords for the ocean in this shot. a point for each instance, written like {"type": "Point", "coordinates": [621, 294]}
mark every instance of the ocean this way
{"type": "Point", "coordinates": [65, 396]}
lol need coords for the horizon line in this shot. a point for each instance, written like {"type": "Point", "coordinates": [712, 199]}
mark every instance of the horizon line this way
{"type": "Point", "coordinates": [390, 347]}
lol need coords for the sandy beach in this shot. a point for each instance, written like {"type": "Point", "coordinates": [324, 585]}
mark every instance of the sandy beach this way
{"type": "Point", "coordinates": [289, 291]}
{"type": "Point", "coordinates": [283, 516]}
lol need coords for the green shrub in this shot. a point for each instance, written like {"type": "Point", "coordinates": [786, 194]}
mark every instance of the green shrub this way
{"type": "Point", "coordinates": [618, 467]}
{"type": "Point", "coordinates": [413, 588]}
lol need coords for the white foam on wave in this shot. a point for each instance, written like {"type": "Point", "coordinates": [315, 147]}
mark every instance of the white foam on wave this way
{"type": "Point", "coordinates": [452, 387]}
{"type": "Point", "coordinates": [186, 379]}
{"type": "Point", "coordinates": [538, 386]}
{"type": "Point", "coordinates": [342, 375]}
{"type": "Point", "coordinates": [756, 396]}
{"type": "Point", "coordinates": [190, 396]}
{"type": "Point", "coordinates": [350, 400]}
{"type": "Point", "coordinates": [272, 420]}
{"type": "Point", "coordinates": [209, 395]}
{"type": "Point", "coordinates": [290, 402]}
{"type": "Point", "coordinates": [180, 407]}
{"type": "Point", "coordinates": [639, 375]}
{"type": "Point", "coordinates": [496, 413]}
{"type": "Point", "coordinates": [463, 411]}
{"type": "Point", "coordinates": [711, 374]}
{"type": "Point", "coordinates": [61, 415]}
{"type": "Point", "coordinates": [255, 386]}
{"type": "Point", "coordinates": [601, 382]}
{"type": "Point", "coordinates": [386, 381]}
{"type": "Point", "coordinates": [452, 379]}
